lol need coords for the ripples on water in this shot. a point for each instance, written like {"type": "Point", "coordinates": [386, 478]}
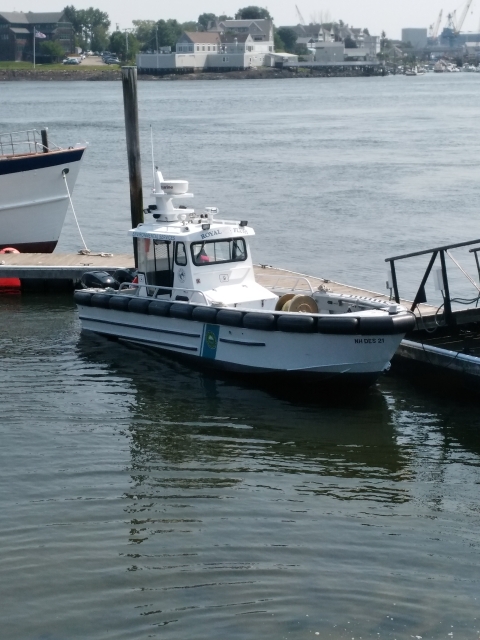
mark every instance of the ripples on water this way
{"type": "Point", "coordinates": [142, 499]}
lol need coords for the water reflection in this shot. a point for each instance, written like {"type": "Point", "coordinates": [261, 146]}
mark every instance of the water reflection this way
{"type": "Point", "coordinates": [298, 517]}
{"type": "Point", "coordinates": [182, 415]}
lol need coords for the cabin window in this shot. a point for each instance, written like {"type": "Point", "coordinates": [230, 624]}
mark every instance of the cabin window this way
{"type": "Point", "coordinates": [155, 260]}
{"type": "Point", "coordinates": [180, 254]}
{"type": "Point", "coordinates": [219, 251]}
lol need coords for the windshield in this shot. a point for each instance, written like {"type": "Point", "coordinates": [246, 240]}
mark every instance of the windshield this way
{"type": "Point", "coordinates": [219, 251]}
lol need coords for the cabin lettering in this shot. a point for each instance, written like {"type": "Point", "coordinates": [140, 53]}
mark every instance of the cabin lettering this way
{"type": "Point", "coordinates": [209, 234]}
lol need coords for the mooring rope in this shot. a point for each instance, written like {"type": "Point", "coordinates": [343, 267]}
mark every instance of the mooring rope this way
{"type": "Point", "coordinates": [86, 249]}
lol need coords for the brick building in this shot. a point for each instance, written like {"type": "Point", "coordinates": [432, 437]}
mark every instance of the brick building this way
{"type": "Point", "coordinates": [16, 33]}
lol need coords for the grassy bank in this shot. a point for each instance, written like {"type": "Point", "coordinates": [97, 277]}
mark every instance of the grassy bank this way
{"type": "Point", "coordinates": [25, 71]}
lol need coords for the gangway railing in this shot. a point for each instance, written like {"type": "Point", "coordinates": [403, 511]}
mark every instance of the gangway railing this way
{"type": "Point", "coordinates": [420, 296]}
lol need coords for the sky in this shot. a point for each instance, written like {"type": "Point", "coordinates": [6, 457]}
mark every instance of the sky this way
{"type": "Point", "coordinates": [376, 15]}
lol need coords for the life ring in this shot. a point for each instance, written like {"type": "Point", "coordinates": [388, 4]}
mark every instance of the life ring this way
{"type": "Point", "coordinates": [9, 250]}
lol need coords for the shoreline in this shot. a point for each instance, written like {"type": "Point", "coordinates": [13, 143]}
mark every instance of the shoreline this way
{"type": "Point", "coordinates": [94, 75]}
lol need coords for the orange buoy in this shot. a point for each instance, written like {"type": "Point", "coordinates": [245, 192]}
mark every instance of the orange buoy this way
{"type": "Point", "coordinates": [9, 284]}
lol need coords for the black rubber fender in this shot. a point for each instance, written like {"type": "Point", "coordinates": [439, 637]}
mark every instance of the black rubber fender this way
{"type": "Point", "coordinates": [100, 300]}
{"type": "Point", "coordinates": [372, 326]}
{"type": "Point", "coordinates": [293, 323]}
{"type": "Point", "coordinates": [83, 297]}
{"type": "Point", "coordinates": [119, 302]}
{"type": "Point", "coordinates": [139, 305]}
{"type": "Point", "coordinates": [181, 310]}
{"type": "Point", "coordinates": [403, 323]}
{"type": "Point", "coordinates": [205, 314]}
{"type": "Point", "coordinates": [159, 308]}
{"type": "Point", "coordinates": [263, 321]}
{"type": "Point", "coordinates": [230, 317]}
{"type": "Point", "coordinates": [340, 324]}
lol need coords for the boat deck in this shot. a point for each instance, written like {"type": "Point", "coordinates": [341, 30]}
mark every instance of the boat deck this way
{"type": "Point", "coordinates": [40, 271]}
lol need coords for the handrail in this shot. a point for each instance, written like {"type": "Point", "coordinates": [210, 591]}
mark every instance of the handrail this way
{"type": "Point", "coordinates": [278, 276]}
{"type": "Point", "coordinates": [420, 296]}
{"type": "Point", "coordinates": [156, 288]}
{"type": "Point", "coordinates": [426, 251]}
{"type": "Point", "coordinates": [31, 141]}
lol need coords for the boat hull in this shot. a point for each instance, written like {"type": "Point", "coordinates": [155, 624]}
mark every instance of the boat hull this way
{"type": "Point", "coordinates": [34, 199]}
{"type": "Point", "coordinates": [262, 353]}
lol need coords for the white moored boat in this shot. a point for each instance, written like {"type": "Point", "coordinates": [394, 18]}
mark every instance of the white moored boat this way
{"type": "Point", "coordinates": [33, 190]}
{"type": "Point", "coordinates": [197, 297]}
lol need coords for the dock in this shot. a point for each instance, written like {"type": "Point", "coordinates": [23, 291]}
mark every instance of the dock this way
{"type": "Point", "coordinates": [63, 271]}
{"type": "Point", "coordinates": [43, 272]}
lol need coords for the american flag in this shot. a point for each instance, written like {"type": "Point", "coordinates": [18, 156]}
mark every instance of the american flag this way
{"type": "Point", "coordinates": [39, 34]}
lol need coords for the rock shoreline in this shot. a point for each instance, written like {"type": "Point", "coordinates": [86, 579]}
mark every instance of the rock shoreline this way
{"type": "Point", "coordinates": [115, 74]}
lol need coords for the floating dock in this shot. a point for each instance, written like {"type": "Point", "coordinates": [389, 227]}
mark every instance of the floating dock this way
{"type": "Point", "coordinates": [57, 271]}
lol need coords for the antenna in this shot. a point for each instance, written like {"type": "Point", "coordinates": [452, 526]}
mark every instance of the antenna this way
{"type": "Point", "coordinates": [153, 157]}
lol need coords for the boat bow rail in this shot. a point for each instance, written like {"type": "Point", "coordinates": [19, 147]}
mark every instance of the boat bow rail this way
{"type": "Point", "coordinates": [21, 143]}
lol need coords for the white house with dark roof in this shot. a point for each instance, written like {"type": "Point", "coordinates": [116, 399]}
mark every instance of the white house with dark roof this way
{"type": "Point", "coordinates": [212, 50]}
{"type": "Point", "coordinates": [16, 32]}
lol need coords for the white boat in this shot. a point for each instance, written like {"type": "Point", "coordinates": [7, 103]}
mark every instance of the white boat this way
{"type": "Point", "coordinates": [33, 190]}
{"type": "Point", "coordinates": [415, 71]}
{"type": "Point", "coordinates": [197, 298]}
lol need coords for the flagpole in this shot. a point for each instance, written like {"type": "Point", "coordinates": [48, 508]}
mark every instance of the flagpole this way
{"type": "Point", "coordinates": [34, 29]}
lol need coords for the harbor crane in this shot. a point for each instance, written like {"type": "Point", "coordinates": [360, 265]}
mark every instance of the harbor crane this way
{"type": "Point", "coordinates": [455, 26]}
{"type": "Point", "coordinates": [300, 17]}
{"type": "Point", "coordinates": [434, 29]}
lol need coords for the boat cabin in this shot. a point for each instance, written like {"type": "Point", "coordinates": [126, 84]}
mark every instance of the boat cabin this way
{"type": "Point", "coordinates": [187, 255]}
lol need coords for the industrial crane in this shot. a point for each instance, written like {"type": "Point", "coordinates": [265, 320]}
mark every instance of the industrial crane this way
{"type": "Point", "coordinates": [463, 16]}
{"type": "Point", "coordinates": [300, 17]}
{"type": "Point", "coordinates": [436, 27]}
{"type": "Point", "coordinates": [455, 26]}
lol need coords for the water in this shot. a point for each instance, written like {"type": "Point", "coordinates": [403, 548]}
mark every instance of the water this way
{"type": "Point", "coordinates": [140, 499]}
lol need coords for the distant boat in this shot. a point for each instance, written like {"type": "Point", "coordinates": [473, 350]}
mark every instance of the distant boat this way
{"type": "Point", "coordinates": [35, 181]}
{"type": "Point", "coordinates": [415, 71]}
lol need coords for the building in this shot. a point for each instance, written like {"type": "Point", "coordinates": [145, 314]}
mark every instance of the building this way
{"type": "Point", "coordinates": [226, 46]}
{"type": "Point", "coordinates": [418, 38]}
{"type": "Point", "coordinates": [328, 52]}
{"type": "Point", "coordinates": [260, 30]}
{"type": "Point", "coordinates": [16, 33]}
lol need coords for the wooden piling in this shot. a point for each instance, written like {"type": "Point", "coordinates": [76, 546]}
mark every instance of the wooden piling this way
{"type": "Point", "coordinates": [44, 134]}
{"type": "Point", "coordinates": [130, 104]}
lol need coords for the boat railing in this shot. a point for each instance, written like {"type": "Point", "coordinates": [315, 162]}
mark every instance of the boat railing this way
{"type": "Point", "coordinates": [21, 143]}
{"type": "Point", "coordinates": [153, 291]}
{"type": "Point", "coordinates": [442, 252]}
{"type": "Point", "coordinates": [296, 279]}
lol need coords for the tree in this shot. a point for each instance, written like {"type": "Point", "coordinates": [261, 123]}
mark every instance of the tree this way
{"type": "Point", "coordinates": [145, 33]}
{"type": "Point", "coordinates": [84, 22]}
{"type": "Point", "coordinates": [118, 45]}
{"type": "Point", "coordinates": [288, 37]}
{"type": "Point", "coordinates": [278, 42]}
{"type": "Point", "coordinates": [224, 17]}
{"type": "Point", "coordinates": [204, 19]}
{"type": "Point", "coordinates": [252, 13]}
{"type": "Point", "coordinates": [350, 43]}
{"type": "Point", "coordinates": [100, 39]}
{"type": "Point", "coordinates": [169, 32]}
{"type": "Point", "coordinates": [53, 49]}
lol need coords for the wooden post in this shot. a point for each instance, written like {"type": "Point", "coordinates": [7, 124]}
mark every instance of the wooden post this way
{"type": "Point", "coordinates": [44, 134]}
{"type": "Point", "coordinates": [130, 104]}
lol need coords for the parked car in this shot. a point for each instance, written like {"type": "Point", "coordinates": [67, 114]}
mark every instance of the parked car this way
{"type": "Point", "coordinates": [71, 61]}
{"type": "Point", "coordinates": [112, 61]}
